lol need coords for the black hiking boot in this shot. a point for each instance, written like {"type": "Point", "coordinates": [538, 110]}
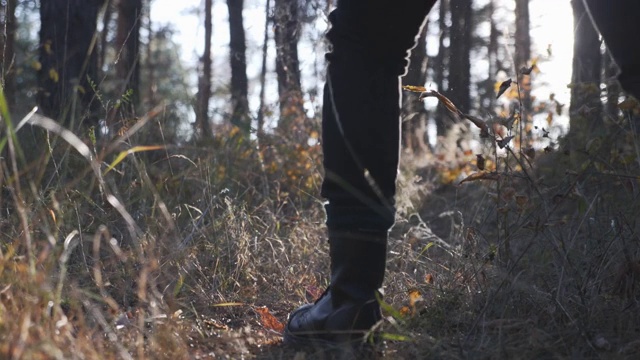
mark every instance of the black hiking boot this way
{"type": "Point", "coordinates": [343, 318]}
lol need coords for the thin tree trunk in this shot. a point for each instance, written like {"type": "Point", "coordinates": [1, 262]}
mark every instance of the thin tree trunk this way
{"type": "Point", "coordinates": [585, 110]}
{"type": "Point", "coordinates": [459, 56]}
{"type": "Point", "coordinates": [237, 54]}
{"type": "Point", "coordinates": [68, 59]}
{"type": "Point", "coordinates": [613, 87]}
{"type": "Point", "coordinates": [263, 73]}
{"type": "Point", "coordinates": [287, 33]}
{"type": "Point", "coordinates": [415, 115]}
{"type": "Point", "coordinates": [204, 82]}
{"type": "Point", "coordinates": [493, 59]}
{"type": "Point", "coordinates": [104, 35]}
{"type": "Point", "coordinates": [7, 46]}
{"type": "Point", "coordinates": [441, 65]}
{"type": "Point", "coordinates": [150, 64]}
{"type": "Point", "coordinates": [128, 47]}
{"type": "Point", "coordinates": [522, 56]}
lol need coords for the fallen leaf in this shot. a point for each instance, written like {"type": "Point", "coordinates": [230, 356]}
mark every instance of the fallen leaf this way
{"type": "Point", "coordinates": [313, 293]}
{"type": "Point", "coordinates": [268, 320]}
{"type": "Point", "coordinates": [428, 279]}
{"type": "Point", "coordinates": [414, 297]}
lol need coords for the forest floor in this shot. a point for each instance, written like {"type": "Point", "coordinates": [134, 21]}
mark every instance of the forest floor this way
{"type": "Point", "coordinates": [201, 252]}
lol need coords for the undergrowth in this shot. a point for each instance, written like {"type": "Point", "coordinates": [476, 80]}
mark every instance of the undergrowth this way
{"type": "Point", "coordinates": [144, 249]}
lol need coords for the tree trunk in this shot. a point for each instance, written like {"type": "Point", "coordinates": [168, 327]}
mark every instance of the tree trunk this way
{"type": "Point", "coordinates": [459, 56]}
{"type": "Point", "coordinates": [263, 73]}
{"type": "Point", "coordinates": [204, 81]}
{"type": "Point", "coordinates": [613, 87]}
{"type": "Point", "coordinates": [128, 47]}
{"type": "Point", "coordinates": [441, 65]}
{"type": "Point", "coordinates": [287, 31]}
{"type": "Point", "coordinates": [521, 58]}
{"type": "Point", "coordinates": [7, 47]}
{"type": "Point", "coordinates": [414, 115]}
{"type": "Point", "coordinates": [585, 110]}
{"type": "Point", "coordinates": [68, 59]}
{"type": "Point", "coordinates": [492, 57]}
{"type": "Point", "coordinates": [104, 35]}
{"type": "Point", "coordinates": [237, 55]}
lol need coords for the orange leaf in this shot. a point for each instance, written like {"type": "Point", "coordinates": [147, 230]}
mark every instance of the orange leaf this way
{"type": "Point", "coordinates": [428, 279]}
{"type": "Point", "coordinates": [268, 320]}
{"type": "Point", "coordinates": [414, 297]}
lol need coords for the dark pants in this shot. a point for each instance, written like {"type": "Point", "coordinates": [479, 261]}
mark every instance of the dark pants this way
{"type": "Point", "coordinates": [619, 23]}
{"type": "Point", "coordinates": [361, 127]}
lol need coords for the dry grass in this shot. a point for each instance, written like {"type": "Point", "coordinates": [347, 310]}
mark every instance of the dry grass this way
{"type": "Point", "coordinates": [541, 263]}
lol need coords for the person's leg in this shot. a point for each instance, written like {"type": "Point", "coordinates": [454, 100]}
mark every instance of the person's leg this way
{"type": "Point", "coordinates": [619, 23]}
{"type": "Point", "coordinates": [361, 143]}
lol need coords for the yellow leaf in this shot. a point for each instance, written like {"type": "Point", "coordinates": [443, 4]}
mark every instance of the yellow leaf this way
{"type": "Point", "coordinates": [414, 88]}
{"type": "Point", "coordinates": [53, 75]}
{"type": "Point", "coordinates": [36, 65]}
{"type": "Point", "coordinates": [133, 150]}
{"type": "Point", "coordinates": [47, 47]}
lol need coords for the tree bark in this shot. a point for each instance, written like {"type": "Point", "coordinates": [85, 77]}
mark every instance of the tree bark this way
{"type": "Point", "coordinates": [237, 57]}
{"type": "Point", "coordinates": [7, 47]}
{"type": "Point", "coordinates": [104, 35]}
{"type": "Point", "coordinates": [441, 65]}
{"type": "Point", "coordinates": [459, 56]}
{"type": "Point", "coordinates": [128, 47]}
{"type": "Point", "coordinates": [287, 31]}
{"type": "Point", "coordinates": [263, 73]}
{"type": "Point", "coordinates": [585, 110]}
{"type": "Point", "coordinates": [68, 59]}
{"type": "Point", "coordinates": [613, 87]}
{"type": "Point", "coordinates": [204, 81]}
{"type": "Point", "coordinates": [521, 58]}
{"type": "Point", "coordinates": [414, 114]}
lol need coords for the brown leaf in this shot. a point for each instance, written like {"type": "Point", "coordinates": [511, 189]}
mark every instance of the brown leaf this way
{"type": "Point", "coordinates": [504, 141]}
{"type": "Point", "coordinates": [522, 200]}
{"type": "Point", "coordinates": [530, 152]}
{"type": "Point", "coordinates": [503, 87]}
{"type": "Point", "coordinates": [508, 122]}
{"type": "Point", "coordinates": [481, 176]}
{"type": "Point", "coordinates": [559, 108]}
{"type": "Point", "coordinates": [628, 104]}
{"type": "Point", "coordinates": [527, 70]}
{"type": "Point", "coordinates": [480, 162]}
{"type": "Point", "coordinates": [443, 99]}
{"type": "Point", "coordinates": [479, 123]}
{"type": "Point", "coordinates": [313, 293]}
{"type": "Point", "coordinates": [428, 279]}
{"type": "Point", "coordinates": [268, 320]}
